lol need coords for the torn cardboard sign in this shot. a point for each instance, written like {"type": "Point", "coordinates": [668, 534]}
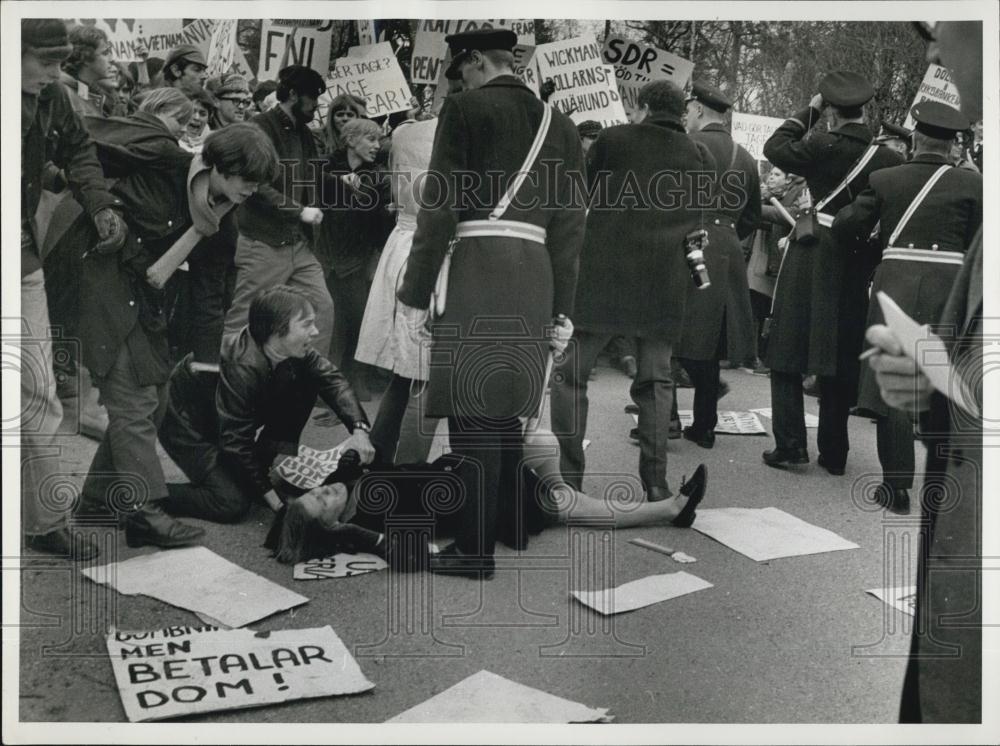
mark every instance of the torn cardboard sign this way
{"type": "Point", "coordinates": [902, 599]}
{"type": "Point", "coordinates": [190, 670]}
{"type": "Point", "coordinates": [730, 422]}
{"type": "Point", "coordinates": [642, 592]}
{"type": "Point", "coordinates": [342, 565]}
{"type": "Point", "coordinates": [201, 581]}
{"type": "Point", "coordinates": [486, 697]}
{"type": "Point", "coordinates": [767, 533]}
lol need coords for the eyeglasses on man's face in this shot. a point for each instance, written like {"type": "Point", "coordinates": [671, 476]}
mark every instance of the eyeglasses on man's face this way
{"type": "Point", "coordinates": [240, 103]}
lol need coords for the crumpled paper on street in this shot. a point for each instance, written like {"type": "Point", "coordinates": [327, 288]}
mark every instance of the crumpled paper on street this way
{"type": "Point", "coordinates": [643, 592]}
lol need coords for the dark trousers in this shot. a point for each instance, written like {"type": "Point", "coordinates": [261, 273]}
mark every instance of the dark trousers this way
{"type": "Point", "coordinates": [704, 374]}
{"type": "Point", "coordinates": [894, 438]}
{"type": "Point", "coordinates": [389, 420]}
{"type": "Point", "coordinates": [211, 282]}
{"type": "Point", "coordinates": [496, 445]}
{"type": "Point", "coordinates": [760, 305]}
{"type": "Point", "coordinates": [217, 497]}
{"type": "Point", "coordinates": [349, 294]}
{"type": "Point", "coordinates": [789, 419]}
{"type": "Point", "coordinates": [652, 391]}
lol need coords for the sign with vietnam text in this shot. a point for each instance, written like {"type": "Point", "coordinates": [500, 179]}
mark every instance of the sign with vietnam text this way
{"type": "Point", "coordinates": [936, 86]}
{"type": "Point", "coordinates": [371, 72]}
{"type": "Point", "coordinates": [429, 47]}
{"type": "Point", "coordinates": [179, 671]}
{"type": "Point", "coordinates": [752, 131]}
{"type": "Point", "coordinates": [222, 48]}
{"type": "Point", "coordinates": [637, 64]}
{"type": "Point", "coordinates": [157, 35]}
{"type": "Point", "coordinates": [282, 45]}
{"type": "Point", "coordinates": [584, 86]}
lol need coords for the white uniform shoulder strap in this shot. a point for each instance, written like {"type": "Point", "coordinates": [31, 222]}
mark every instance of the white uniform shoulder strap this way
{"type": "Point", "coordinates": [921, 195]}
{"type": "Point", "coordinates": [851, 176]}
{"type": "Point", "coordinates": [529, 161]}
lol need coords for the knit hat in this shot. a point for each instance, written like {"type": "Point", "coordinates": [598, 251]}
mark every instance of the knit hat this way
{"type": "Point", "coordinates": [45, 37]}
{"type": "Point", "coordinates": [226, 84]}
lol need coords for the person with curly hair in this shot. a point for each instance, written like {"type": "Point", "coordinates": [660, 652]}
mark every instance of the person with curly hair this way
{"type": "Point", "coordinates": [88, 71]}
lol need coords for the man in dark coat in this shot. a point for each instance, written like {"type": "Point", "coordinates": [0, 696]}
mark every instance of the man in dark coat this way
{"type": "Point", "coordinates": [51, 133]}
{"type": "Point", "coordinates": [718, 320]}
{"type": "Point", "coordinates": [509, 277]}
{"type": "Point", "coordinates": [918, 267]}
{"type": "Point", "coordinates": [268, 380]}
{"type": "Point", "coordinates": [633, 275]}
{"type": "Point", "coordinates": [820, 299]}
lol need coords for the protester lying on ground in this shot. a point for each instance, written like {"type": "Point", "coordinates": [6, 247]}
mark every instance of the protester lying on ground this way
{"type": "Point", "coordinates": [350, 512]}
{"type": "Point", "coordinates": [268, 380]}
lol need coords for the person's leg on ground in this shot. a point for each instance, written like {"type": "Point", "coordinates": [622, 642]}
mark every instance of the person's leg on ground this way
{"type": "Point", "coordinates": [788, 419]}
{"type": "Point", "coordinates": [834, 412]}
{"type": "Point", "coordinates": [218, 497]}
{"type": "Point", "coordinates": [652, 391]}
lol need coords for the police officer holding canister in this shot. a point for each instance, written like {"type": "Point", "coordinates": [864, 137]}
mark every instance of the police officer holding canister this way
{"type": "Point", "coordinates": [928, 212]}
{"type": "Point", "coordinates": [817, 320]}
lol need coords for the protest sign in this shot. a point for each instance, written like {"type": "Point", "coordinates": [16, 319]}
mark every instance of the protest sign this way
{"type": "Point", "coordinates": [309, 468]}
{"type": "Point", "coordinates": [752, 131]}
{"type": "Point", "coordinates": [179, 671]}
{"type": "Point", "coordinates": [429, 47]}
{"type": "Point", "coordinates": [637, 64]}
{"type": "Point", "coordinates": [282, 45]}
{"type": "Point", "coordinates": [366, 32]}
{"type": "Point", "coordinates": [222, 48]}
{"type": "Point", "coordinates": [643, 592]}
{"type": "Point", "coordinates": [767, 533]}
{"type": "Point", "coordinates": [585, 86]}
{"type": "Point", "coordinates": [157, 35]}
{"type": "Point", "coordinates": [937, 85]}
{"type": "Point", "coordinates": [730, 422]}
{"type": "Point", "coordinates": [197, 579]}
{"type": "Point", "coordinates": [525, 66]}
{"type": "Point", "coordinates": [373, 73]}
{"type": "Point", "coordinates": [341, 565]}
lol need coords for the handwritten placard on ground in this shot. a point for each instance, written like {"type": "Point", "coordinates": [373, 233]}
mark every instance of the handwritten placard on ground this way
{"type": "Point", "coordinates": [811, 419]}
{"type": "Point", "coordinates": [429, 47]}
{"type": "Point", "coordinates": [767, 533]}
{"type": "Point", "coordinates": [307, 45]}
{"type": "Point", "coordinates": [189, 670]}
{"type": "Point", "coordinates": [310, 467]}
{"type": "Point", "coordinates": [585, 88]}
{"type": "Point", "coordinates": [636, 64]}
{"type": "Point", "coordinates": [486, 697]}
{"type": "Point", "coordinates": [937, 85]}
{"type": "Point", "coordinates": [730, 422]}
{"type": "Point", "coordinates": [752, 131]}
{"type": "Point", "coordinates": [902, 599]}
{"type": "Point", "coordinates": [342, 565]}
{"type": "Point", "coordinates": [199, 580]}
{"type": "Point", "coordinates": [643, 592]}
{"type": "Point", "coordinates": [373, 73]}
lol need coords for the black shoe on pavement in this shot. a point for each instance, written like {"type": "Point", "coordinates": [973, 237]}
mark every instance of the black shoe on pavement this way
{"type": "Point", "coordinates": [63, 543]}
{"type": "Point", "coordinates": [151, 526]}
{"type": "Point", "coordinates": [836, 469]}
{"type": "Point", "coordinates": [694, 488]}
{"type": "Point", "coordinates": [894, 500]}
{"type": "Point", "coordinates": [451, 561]}
{"type": "Point", "coordinates": [705, 440]}
{"type": "Point", "coordinates": [779, 457]}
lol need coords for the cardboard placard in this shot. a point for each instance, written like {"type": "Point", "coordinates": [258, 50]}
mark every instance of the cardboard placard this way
{"type": "Point", "coordinates": [636, 64]}
{"type": "Point", "coordinates": [752, 131]}
{"type": "Point", "coordinates": [373, 73]}
{"type": "Point", "coordinates": [282, 45]}
{"type": "Point", "coordinates": [429, 47]}
{"type": "Point", "coordinates": [342, 565]}
{"type": "Point", "coordinates": [221, 48]}
{"type": "Point", "coordinates": [310, 467]}
{"type": "Point", "coordinates": [585, 85]}
{"type": "Point", "coordinates": [767, 533]}
{"type": "Point", "coordinates": [937, 85]}
{"type": "Point", "coordinates": [729, 423]}
{"type": "Point", "coordinates": [180, 671]}
{"type": "Point", "coordinates": [902, 599]}
{"type": "Point", "coordinates": [643, 592]}
{"type": "Point", "coordinates": [157, 34]}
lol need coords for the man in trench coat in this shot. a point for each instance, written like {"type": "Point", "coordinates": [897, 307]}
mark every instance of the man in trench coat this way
{"type": "Point", "coordinates": [508, 279]}
{"type": "Point", "coordinates": [820, 298]}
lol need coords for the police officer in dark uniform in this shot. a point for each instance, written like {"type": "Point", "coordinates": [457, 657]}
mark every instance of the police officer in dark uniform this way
{"type": "Point", "coordinates": [920, 260]}
{"type": "Point", "coordinates": [817, 324]}
{"type": "Point", "coordinates": [510, 276]}
{"type": "Point", "coordinates": [718, 320]}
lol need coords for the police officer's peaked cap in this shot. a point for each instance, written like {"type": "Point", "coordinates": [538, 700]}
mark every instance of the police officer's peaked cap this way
{"type": "Point", "coordinates": [709, 95]}
{"type": "Point", "coordinates": [185, 53]}
{"type": "Point", "coordinates": [892, 131]}
{"type": "Point", "coordinates": [938, 120]}
{"type": "Point", "coordinates": [846, 89]}
{"type": "Point", "coordinates": [482, 40]}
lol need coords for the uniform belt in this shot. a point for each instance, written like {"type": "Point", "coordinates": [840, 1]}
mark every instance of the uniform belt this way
{"type": "Point", "coordinates": [502, 228]}
{"type": "Point", "coordinates": [721, 219]}
{"type": "Point", "coordinates": [923, 255]}
{"type": "Point", "coordinates": [825, 220]}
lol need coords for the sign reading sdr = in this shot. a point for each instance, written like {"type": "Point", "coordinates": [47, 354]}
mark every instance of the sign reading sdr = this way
{"type": "Point", "coordinates": [177, 671]}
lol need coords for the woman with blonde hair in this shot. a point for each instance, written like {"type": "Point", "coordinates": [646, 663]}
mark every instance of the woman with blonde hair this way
{"type": "Point", "coordinates": [342, 109]}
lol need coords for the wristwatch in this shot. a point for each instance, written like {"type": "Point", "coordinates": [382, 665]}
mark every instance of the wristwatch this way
{"type": "Point", "coordinates": [362, 426]}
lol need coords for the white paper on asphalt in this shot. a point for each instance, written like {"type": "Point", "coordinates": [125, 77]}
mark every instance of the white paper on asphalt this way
{"type": "Point", "coordinates": [341, 565]}
{"type": "Point", "coordinates": [752, 131]}
{"type": "Point", "coordinates": [927, 349]}
{"type": "Point", "coordinates": [429, 47]}
{"type": "Point", "coordinates": [199, 580]}
{"type": "Point", "coordinates": [310, 46]}
{"type": "Point", "coordinates": [811, 419]}
{"type": "Point", "coordinates": [730, 422]}
{"type": "Point", "coordinates": [371, 72]}
{"type": "Point", "coordinates": [584, 86]}
{"type": "Point", "coordinates": [937, 85]}
{"type": "Point", "coordinates": [310, 467]}
{"type": "Point", "coordinates": [643, 592]}
{"type": "Point", "coordinates": [767, 533]}
{"type": "Point", "coordinates": [486, 697]}
{"type": "Point", "coordinates": [636, 64]}
{"type": "Point", "coordinates": [903, 598]}
{"type": "Point", "coordinates": [179, 671]}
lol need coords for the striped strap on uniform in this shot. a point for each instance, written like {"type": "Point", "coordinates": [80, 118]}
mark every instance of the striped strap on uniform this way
{"type": "Point", "coordinates": [916, 203]}
{"type": "Point", "coordinates": [923, 255]}
{"type": "Point", "coordinates": [504, 228]}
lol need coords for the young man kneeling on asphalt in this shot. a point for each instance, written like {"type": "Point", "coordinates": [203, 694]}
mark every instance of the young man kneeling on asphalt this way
{"type": "Point", "coordinates": [268, 380]}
